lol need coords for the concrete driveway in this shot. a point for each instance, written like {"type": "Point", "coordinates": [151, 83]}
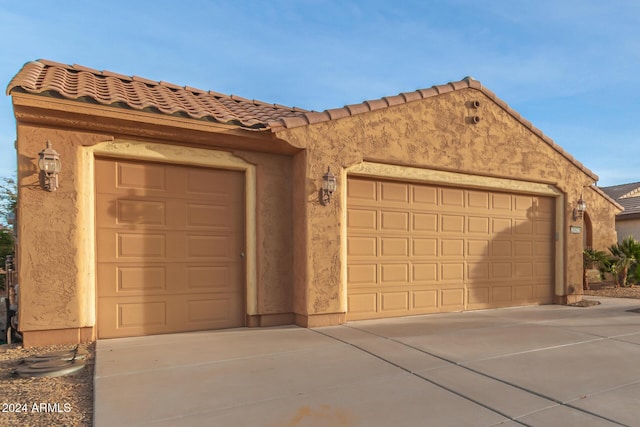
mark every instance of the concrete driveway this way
{"type": "Point", "coordinates": [533, 366]}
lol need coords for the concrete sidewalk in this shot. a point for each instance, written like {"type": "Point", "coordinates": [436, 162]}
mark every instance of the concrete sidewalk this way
{"type": "Point", "coordinates": [533, 366]}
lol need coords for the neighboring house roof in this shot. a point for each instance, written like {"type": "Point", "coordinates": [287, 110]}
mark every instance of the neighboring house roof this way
{"type": "Point", "coordinates": [107, 88]}
{"type": "Point", "coordinates": [628, 196]}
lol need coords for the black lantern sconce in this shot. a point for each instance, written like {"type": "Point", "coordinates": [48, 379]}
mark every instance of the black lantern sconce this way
{"type": "Point", "coordinates": [50, 166]}
{"type": "Point", "coordinates": [328, 187]}
{"type": "Point", "coordinates": [579, 210]}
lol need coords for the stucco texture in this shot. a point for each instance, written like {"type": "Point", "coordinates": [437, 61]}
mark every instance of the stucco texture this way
{"type": "Point", "coordinates": [57, 269]}
{"type": "Point", "coordinates": [436, 133]}
{"type": "Point", "coordinates": [299, 243]}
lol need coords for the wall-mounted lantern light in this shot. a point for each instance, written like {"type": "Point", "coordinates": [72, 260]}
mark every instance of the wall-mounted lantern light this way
{"type": "Point", "coordinates": [581, 207]}
{"type": "Point", "coordinates": [50, 166]}
{"type": "Point", "coordinates": [328, 187]}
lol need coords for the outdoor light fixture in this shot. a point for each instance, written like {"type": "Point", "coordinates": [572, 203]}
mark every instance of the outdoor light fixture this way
{"type": "Point", "coordinates": [328, 187]}
{"type": "Point", "coordinates": [49, 164]}
{"type": "Point", "coordinates": [580, 208]}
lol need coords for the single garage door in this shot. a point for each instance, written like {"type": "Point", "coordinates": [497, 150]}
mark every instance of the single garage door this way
{"type": "Point", "coordinates": [416, 248]}
{"type": "Point", "coordinates": [169, 243]}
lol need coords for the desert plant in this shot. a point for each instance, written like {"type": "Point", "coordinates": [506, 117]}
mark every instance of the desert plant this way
{"type": "Point", "coordinates": [625, 258]}
{"type": "Point", "coordinates": [591, 258]}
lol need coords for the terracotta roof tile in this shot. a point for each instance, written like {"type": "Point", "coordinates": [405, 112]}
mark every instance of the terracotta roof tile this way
{"type": "Point", "coordinates": [376, 104]}
{"type": "Point", "coordinates": [428, 93]}
{"type": "Point", "coordinates": [315, 117]}
{"type": "Point", "coordinates": [338, 113]}
{"type": "Point", "coordinates": [411, 96]}
{"type": "Point", "coordinates": [395, 100]}
{"type": "Point", "coordinates": [108, 88]}
{"type": "Point", "coordinates": [355, 109]}
{"type": "Point", "coordinates": [444, 88]}
{"type": "Point", "coordinates": [462, 84]}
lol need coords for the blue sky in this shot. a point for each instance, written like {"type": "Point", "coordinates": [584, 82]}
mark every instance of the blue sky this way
{"type": "Point", "coordinates": [568, 66]}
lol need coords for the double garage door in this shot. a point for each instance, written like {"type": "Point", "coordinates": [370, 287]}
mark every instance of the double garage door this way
{"type": "Point", "coordinates": [169, 241]}
{"type": "Point", "coordinates": [416, 248]}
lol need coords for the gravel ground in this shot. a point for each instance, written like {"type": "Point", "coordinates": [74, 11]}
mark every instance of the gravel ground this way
{"type": "Point", "coordinates": [68, 400]}
{"type": "Point", "coordinates": [45, 401]}
{"type": "Point", "coordinates": [609, 290]}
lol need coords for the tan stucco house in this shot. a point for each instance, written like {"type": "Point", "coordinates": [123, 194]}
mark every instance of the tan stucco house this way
{"type": "Point", "coordinates": [627, 221]}
{"type": "Point", "coordinates": [179, 209]}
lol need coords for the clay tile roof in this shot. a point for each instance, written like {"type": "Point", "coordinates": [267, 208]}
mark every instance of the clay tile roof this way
{"type": "Point", "coordinates": [108, 88]}
{"type": "Point", "coordinates": [627, 195]}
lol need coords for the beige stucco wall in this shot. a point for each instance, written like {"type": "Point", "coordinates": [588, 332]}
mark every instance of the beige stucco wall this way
{"type": "Point", "coordinates": [431, 134]}
{"type": "Point", "coordinates": [56, 229]}
{"type": "Point", "coordinates": [300, 252]}
{"type": "Point", "coordinates": [600, 212]}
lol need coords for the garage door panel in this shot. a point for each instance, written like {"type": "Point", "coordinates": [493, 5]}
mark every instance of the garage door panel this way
{"type": "Point", "coordinates": [424, 247]}
{"type": "Point", "coordinates": [168, 248]}
{"type": "Point", "coordinates": [501, 226]}
{"type": "Point", "coordinates": [210, 277]}
{"type": "Point", "coordinates": [362, 303]}
{"type": "Point", "coordinates": [478, 225]}
{"type": "Point", "coordinates": [141, 176]}
{"type": "Point", "coordinates": [544, 208]}
{"type": "Point", "coordinates": [523, 227]}
{"type": "Point", "coordinates": [215, 247]}
{"type": "Point", "coordinates": [362, 191]}
{"type": "Point", "coordinates": [478, 296]}
{"type": "Point", "coordinates": [141, 278]}
{"type": "Point", "coordinates": [542, 249]}
{"type": "Point", "coordinates": [214, 184]}
{"type": "Point", "coordinates": [468, 249]}
{"type": "Point", "coordinates": [477, 248]}
{"type": "Point", "coordinates": [394, 301]}
{"type": "Point", "coordinates": [424, 196]}
{"type": "Point", "coordinates": [451, 197]}
{"type": "Point", "coordinates": [451, 223]}
{"type": "Point", "coordinates": [523, 248]}
{"type": "Point", "coordinates": [478, 270]}
{"type": "Point", "coordinates": [394, 273]}
{"type": "Point", "coordinates": [362, 219]}
{"type": "Point", "coordinates": [501, 202]}
{"type": "Point", "coordinates": [452, 299]}
{"type": "Point", "coordinates": [394, 221]}
{"type": "Point", "coordinates": [424, 272]}
{"type": "Point", "coordinates": [212, 310]}
{"type": "Point", "coordinates": [425, 300]}
{"type": "Point", "coordinates": [452, 271]}
{"type": "Point", "coordinates": [394, 193]}
{"type": "Point", "coordinates": [136, 211]}
{"type": "Point", "coordinates": [501, 270]}
{"type": "Point", "coordinates": [452, 247]}
{"type": "Point", "coordinates": [501, 248]}
{"type": "Point", "coordinates": [210, 216]}
{"type": "Point", "coordinates": [137, 245]}
{"type": "Point", "coordinates": [394, 247]}
{"type": "Point", "coordinates": [358, 274]}
{"type": "Point", "coordinates": [424, 222]}
{"type": "Point", "coordinates": [141, 314]}
{"type": "Point", "coordinates": [543, 227]}
{"type": "Point", "coordinates": [523, 294]}
{"type": "Point", "coordinates": [501, 294]}
{"type": "Point", "coordinates": [362, 246]}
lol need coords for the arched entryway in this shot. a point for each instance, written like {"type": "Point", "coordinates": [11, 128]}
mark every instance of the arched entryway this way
{"type": "Point", "coordinates": [587, 235]}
